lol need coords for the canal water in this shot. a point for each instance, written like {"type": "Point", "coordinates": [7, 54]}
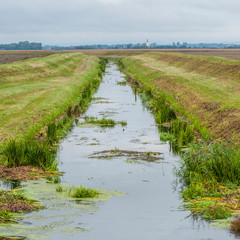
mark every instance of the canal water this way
{"type": "Point", "coordinates": [143, 202]}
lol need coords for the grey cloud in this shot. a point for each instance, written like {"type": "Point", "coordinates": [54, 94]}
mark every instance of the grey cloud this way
{"type": "Point", "coordinates": [119, 20]}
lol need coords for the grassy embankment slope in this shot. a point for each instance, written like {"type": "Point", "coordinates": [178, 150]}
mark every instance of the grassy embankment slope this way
{"type": "Point", "coordinates": [205, 91]}
{"type": "Point", "coordinates": [36, 92]}
{"type": "Point", "coordinates": [206, 88]}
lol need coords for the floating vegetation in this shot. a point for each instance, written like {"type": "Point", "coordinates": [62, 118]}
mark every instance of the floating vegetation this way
{"type": "Point", "coordinates": [14, 202]}
{"type": "Point", "coordinates": [12, 238]}
{"type": "Point", "coordinates": [123, 83]}
{"type": "Point", "coordinates": [82, 192]}
{"type": "Point", "coordinates": [100, 100]}
{"type": "Point", "coordinates": [104, 122]}
{"type": "Point", "coordinates": [54, 180]}
{"type": "Point", "coordinates": [64, 211]}
{"type": "Point", "coordinates": [59, 189]}
{"type": "Point", "coordinates": [129, 155]}
{"type": "Point", "coordinates": [209, 210]}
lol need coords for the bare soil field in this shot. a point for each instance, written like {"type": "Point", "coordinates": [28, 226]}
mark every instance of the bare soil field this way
{"type": "Point", "coordinates": [13, 56]}
{"type": "Point", "coordinates": [225, 53]}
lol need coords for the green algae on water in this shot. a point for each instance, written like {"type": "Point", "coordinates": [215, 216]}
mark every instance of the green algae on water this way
{"type": "Point", "coordinates": [61, 214]}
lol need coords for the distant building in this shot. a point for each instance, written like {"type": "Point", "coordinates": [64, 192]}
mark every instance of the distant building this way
{"type": "Point", "coordinates": [148, 44]}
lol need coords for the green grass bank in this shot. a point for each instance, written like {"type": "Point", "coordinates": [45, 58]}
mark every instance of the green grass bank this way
{"type": "Point", "coordinates": [39, 98]}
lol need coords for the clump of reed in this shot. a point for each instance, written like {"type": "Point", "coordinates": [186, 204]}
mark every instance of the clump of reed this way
{"type": "Point", "coordinates": [82, 192]}
{"type": "Point", "coordinates": [103, 62]}
{"type": "Point", "coordinates": [29, 152]}
{"type": "Point", "coordinates": [210, 171]}
{"type": "Point", "coordinates": [183, 132]}
{"type": "Point", "coordinates": [214, 161]}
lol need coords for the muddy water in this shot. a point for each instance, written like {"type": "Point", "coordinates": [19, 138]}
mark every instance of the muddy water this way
{"type": "Point", "coordinates": [151, 205]}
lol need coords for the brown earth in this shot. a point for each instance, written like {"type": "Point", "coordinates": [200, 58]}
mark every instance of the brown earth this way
{"type": "Point", "coordinates": [13, 56]}
{"type": "Point", "coordinates": [225, 53]}
{"type": "Point", "coordinates": [23, 173]}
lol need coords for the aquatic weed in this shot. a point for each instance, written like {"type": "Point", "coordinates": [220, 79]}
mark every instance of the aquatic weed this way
{"type": "Point", "coordinates": [210, 210]}
{"type": "Point", "coordinates": [82, 192]}
{"type": "Point", "coordinates": [104, 122]}
{"type": "Point", "coordinates": [59, 189]}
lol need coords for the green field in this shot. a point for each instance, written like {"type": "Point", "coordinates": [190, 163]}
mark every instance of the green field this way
{"type": "Point", "coordinates": [38, 99]}
{"type": "Point", "coordinates": [37, 89]}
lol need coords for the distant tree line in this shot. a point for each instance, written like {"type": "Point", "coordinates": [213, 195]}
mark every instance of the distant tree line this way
{"type": "Point", "coordinates": [126, 46]}
{"type": "Point", "coordinates": [177, 45]}
{"type": "Point", "coordinates": [25, 45]}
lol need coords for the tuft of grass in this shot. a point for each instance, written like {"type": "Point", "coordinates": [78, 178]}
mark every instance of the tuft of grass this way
{"type": "Point", "coordinates": [122, 123]}
{"type": "Point", "coordinates": [54, 180]}
{"type": "Point", "coordinates": [123, 83]}
{"type": "Point", "coordinates": [167, 137]}
{"type": "Point", "coordinates": [59, 189]}
{"type": "Point", "coordinates": [104, 122]}
{"type": "Point", "coordinates": [82, 192]}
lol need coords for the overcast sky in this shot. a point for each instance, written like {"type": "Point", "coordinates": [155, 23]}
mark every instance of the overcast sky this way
{"type": "Point", "coordinates": [74, 22]}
